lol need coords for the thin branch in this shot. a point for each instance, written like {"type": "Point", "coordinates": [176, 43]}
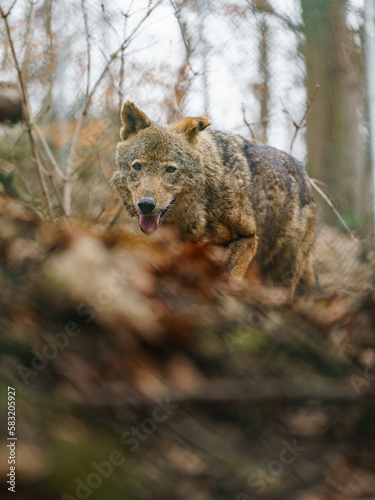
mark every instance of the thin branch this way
{"type": "Point", "coordinates": [107, 21]}
{"type": "Point", "coordinates": [314, 182]}
{"type": "Point", "coordinates": [302, 122]}
{"type": "Point", "coordinates": [100, 168]}
{"type": "Point", "coordinates": [51, 175]}
{"type": "Point", "coordinates": [49, 153]}
{"type": "Point", "coordinates": [5, 15]}
{"type": "Point", "coordinates": [113, 56]}
{"type": "Point", "coordinates": [57, 193]}
{"type": "Point", "coordinates": [77, 132]}
{"type": "Point", "coordinates": [262, 120]}
{"type": "Point", "coordinates": [50, 60]}
{"type": "Point", "coordinates": [104, 209]}
{"type": "Point", "coordinates": [351, 233]}
{"type": "Point", "coordinates": [122, 66]}
{"type": "Point", "coordinates": [106, 60]}
{"type": "Point", "coordinates": [69, 165]}
{"type": "Point", "coordinates": [248, 125]}
{"type": "Point", "coordinates": [335, 211]}
{"type": "Point", "coordinates": [85, 20]}
{"type": "Point", "coordinates": [29, 30]}
{"type": "Point", "coordinates": [117, 215]}
{"type": "Point", "coordinates": [124, 44]}
{"type": "Point", "coordinates": [177, 15]}
{"type": "Point", "coordinates": [267, 9]}
{"type": "Point", "coordinates": [129, 9]}
{"type": "Point", "coordinates": [122, 56]}
{"type": "Point", "coordinates": [317, 181]}
{"type": "Point", "coordinates": [27, 115]}
{"type": "Point", "coordinates": [24, 182]}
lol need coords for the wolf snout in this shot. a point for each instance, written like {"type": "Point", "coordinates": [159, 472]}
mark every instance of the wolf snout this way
{"type": "Point", "coordinates": [146, 205]}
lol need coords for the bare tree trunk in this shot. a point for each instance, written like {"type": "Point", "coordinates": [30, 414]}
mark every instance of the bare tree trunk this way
{"type": "Point", "coordinates": [334, 142]}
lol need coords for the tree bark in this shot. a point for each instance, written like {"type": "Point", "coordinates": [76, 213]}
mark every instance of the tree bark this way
{"type": "Point", "coordinates": [334, 140]}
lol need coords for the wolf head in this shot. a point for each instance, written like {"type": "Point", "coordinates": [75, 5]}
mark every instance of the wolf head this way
{"type": "Point", "coordinates": [157, 165]}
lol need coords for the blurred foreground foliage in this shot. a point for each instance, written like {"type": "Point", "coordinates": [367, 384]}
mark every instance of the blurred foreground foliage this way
{"type": "Point", "coordinates": [135, 357]}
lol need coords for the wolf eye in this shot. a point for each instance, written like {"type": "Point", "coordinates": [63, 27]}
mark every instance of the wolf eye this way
{"type": "Point", "coordinates": [137, 165]}
{"type": "Point", "coordinates": [171, 169]}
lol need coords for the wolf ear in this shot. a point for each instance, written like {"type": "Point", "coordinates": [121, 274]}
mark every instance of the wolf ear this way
{"type": "Point", "coordinates": [133, 120]}
{"type": "Point", "coordinates": [192, 126]}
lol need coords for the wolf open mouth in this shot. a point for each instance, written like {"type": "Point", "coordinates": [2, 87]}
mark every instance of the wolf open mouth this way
{"type": "Point", "coordinates": [150, 222]}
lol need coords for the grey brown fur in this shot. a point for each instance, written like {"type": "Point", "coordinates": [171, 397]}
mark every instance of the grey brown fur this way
{"type": "Point", "coordinates": [253, 199]}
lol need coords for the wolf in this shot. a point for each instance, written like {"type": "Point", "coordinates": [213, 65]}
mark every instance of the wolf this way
{"type": "Point", "coordinates": [219, 188]}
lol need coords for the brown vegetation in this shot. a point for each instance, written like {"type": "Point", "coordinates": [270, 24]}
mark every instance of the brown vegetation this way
{"type": "Point", "coordinates": [142, 320]}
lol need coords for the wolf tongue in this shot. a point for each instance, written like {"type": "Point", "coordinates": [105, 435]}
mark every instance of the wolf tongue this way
{"type": "Point", "coordinates": [149, 222]}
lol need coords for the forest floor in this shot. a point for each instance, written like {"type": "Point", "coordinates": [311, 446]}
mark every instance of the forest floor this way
{"type": "Point", "coordinates": [140, 373]}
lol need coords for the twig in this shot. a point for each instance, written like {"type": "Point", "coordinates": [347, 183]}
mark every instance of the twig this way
{"type": "Point", "coordinates": [107, 206]}
{"type": "Point", "coordinates": [5, 15]}
{"type": "Point", "coordinates": [122, 57]}
{"type": "Point", "coordinates": [267, 9]}
{"type": "Point", "coordinates": [100, 168]}
{"type": "Point", "coordinates": [324, 184]}
{"type": "Point", "coordinates": [85, 20]}
{"type": "Point", "coordinates": [177, 15]}
{"type": "Point", "coordinates": [50, 61]}
{"type": "Point", "coordinates": [122, 68]}
{"type": "Point", "coordinates": [27, 115]}
{"type": "Point", "coordinates": [107, 21]}
{"type": "Point", "coordinates": [58, 195]}
{"type": "Point", "coordinates": [106, 60]}
{"type": "Point", "coordinates": [103, 209]}
{"type": "Point", "coordinates": [332, 206]}
{"type": "Point", "coordinates": [69, 165]}
{"type": "Point", "coordinates": [49, 152]}
{"type": "Point", "coordinates": [248, 125]}
{"type": "Point", "coordinates": [335, 211]}
{"type": "Point", "coordinates": [302, 122]}
{"type": "Point", "coordinates": [77, 132]}
{"type": "Point", "coordinates": [52, 179]}
{"type": "Point", "coordinates": [314, 182]}
{"type": "Point", "coordinates": [30, 23]}
{"type": "Point", "coordinates": [117, 215]}
{"type": "Point", "coordinates": [113, 56]}
{"type": "Point", "coordinates": [24, 183]}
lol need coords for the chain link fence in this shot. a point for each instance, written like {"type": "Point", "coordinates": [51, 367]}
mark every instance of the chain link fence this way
{"type": "Point", "coordinates": [252, 66]}
{"type": "Point", "coordinates": [269, 400]}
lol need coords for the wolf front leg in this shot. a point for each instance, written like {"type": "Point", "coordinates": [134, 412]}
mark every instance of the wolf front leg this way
{"type": "Point", "coordinates": [240, 253]}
